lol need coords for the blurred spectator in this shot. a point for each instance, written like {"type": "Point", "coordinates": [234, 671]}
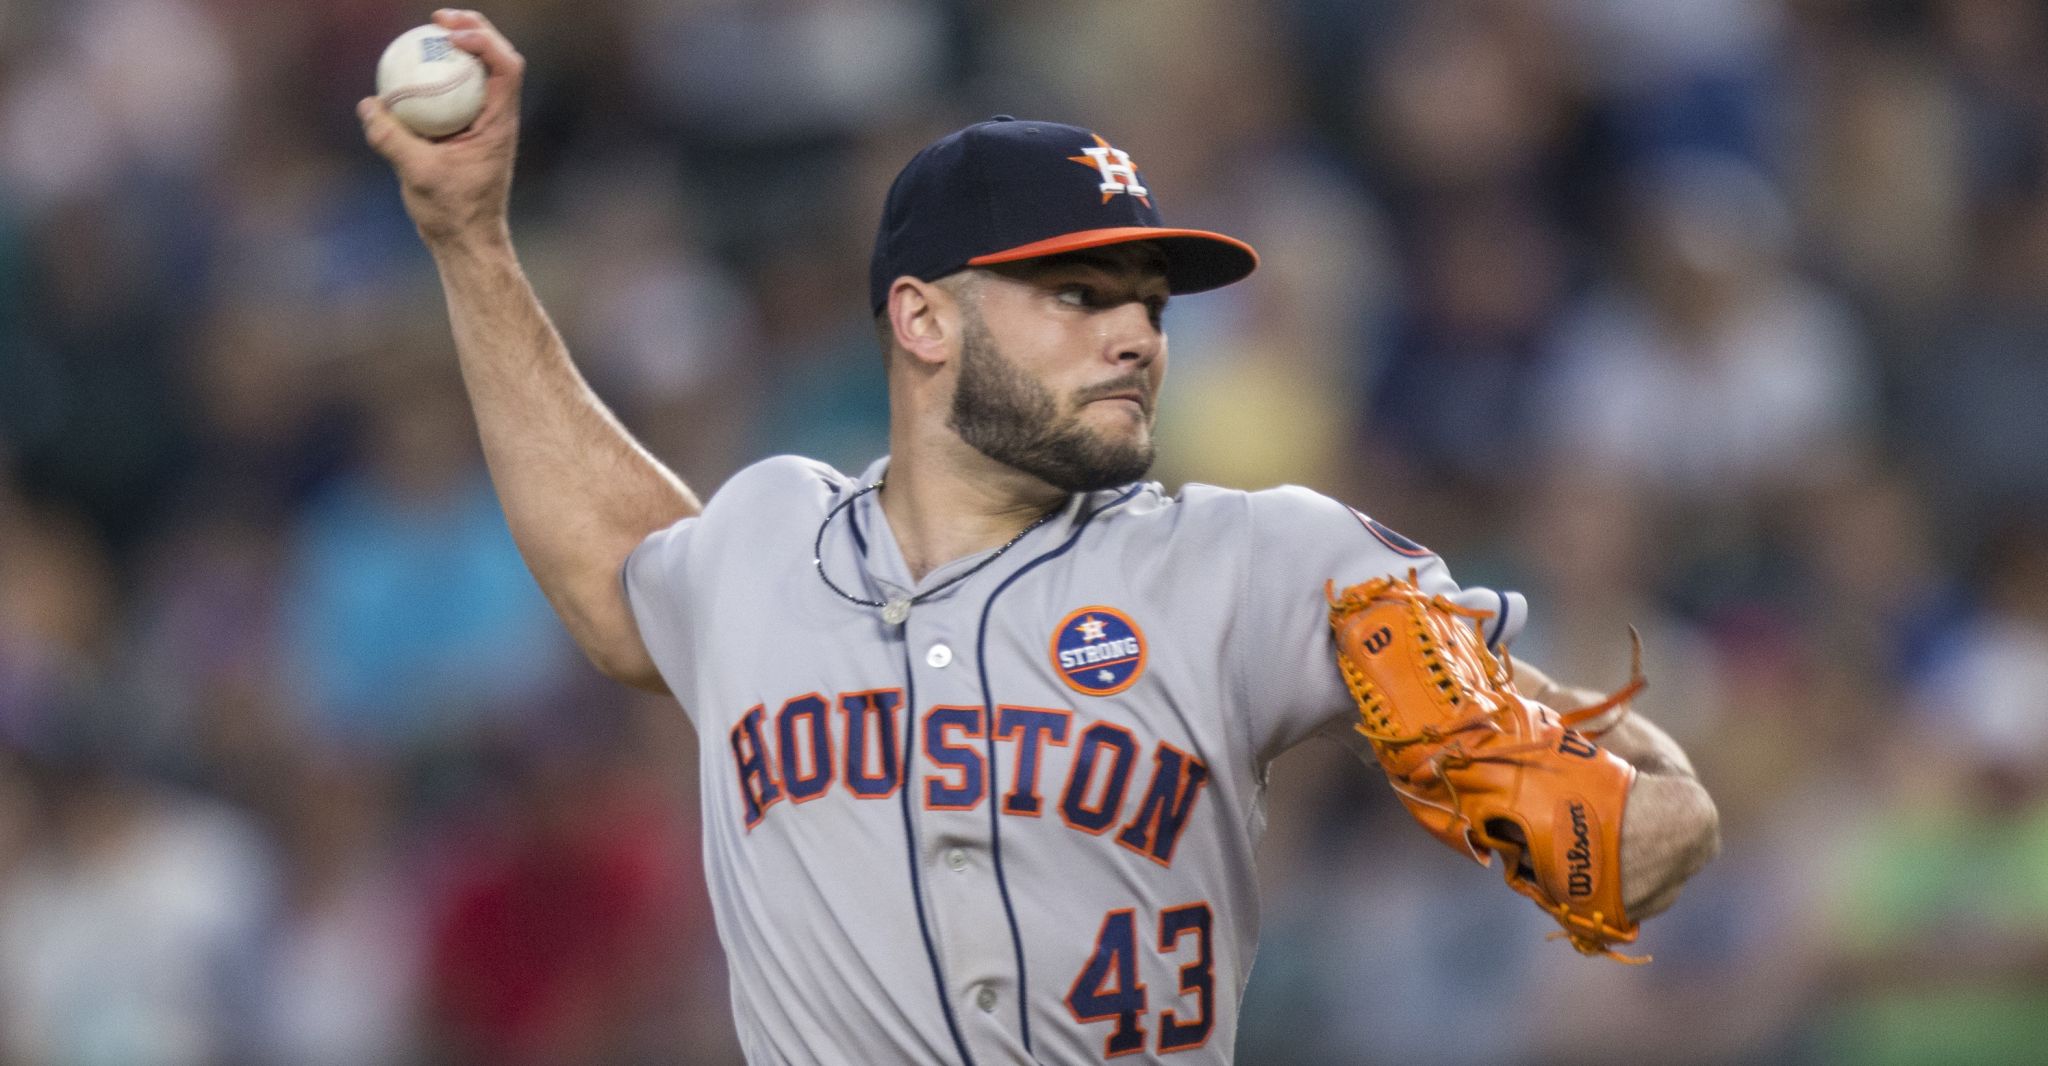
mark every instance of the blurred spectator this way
{"type": "Point", "coordinates": [1711, 368]}
{"type": "Point", "coordinates": [819, 382]}
{"type": "Point", "coordinates": [1879, 590]}
{"type": "Point", "coordinates": [96, 420]}
{"type": "Point", "coordinates": [1681, 76]}
{"type": "Point", "coordinates": [162, 87]}
{"type": "Point", "coordinates": [663, 330]}
{"type": "Point", "coordinates": [1591, 560]}
{"type": "Point", "coordinates": [656, 318]}
{"type": "Point", "coordinates": [767, 96]}
{"type": "Point", "coordinates": [1884, 177]}
{"type": "Point", "coordinates": [1473, 97]}
{"type": "Point", "coordinates": [411, 617]}
{"type": "Point", "coordinates": [127, 933]}
{"type": "Point", "coordinates": [1257, 373]}
{"type": "Point", "coordinates": [558, 922]}
{"type": "Point", "coordinates": [1938, 926]}
{"type": "Point", "coordinates": [1989, 680]}
{"type": "Point", "coordinates": [58, 621]}
{"type": "Point", "coordinates": [1455, 394]}
{"type": "Point", "coordinates": [1977, 399]}
{"type": "Point", "coordinates": [1939, 930]}
{"type": "Point", "coordinates": [341, 968]}
{"type": "Point", "coordinates": [1994, 52]}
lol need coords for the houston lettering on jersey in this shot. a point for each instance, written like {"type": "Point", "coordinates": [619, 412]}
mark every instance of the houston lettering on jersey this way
{"type": "Point", "coordinates": [812, 743]}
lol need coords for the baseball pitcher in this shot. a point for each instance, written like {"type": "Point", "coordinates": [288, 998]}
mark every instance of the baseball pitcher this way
{"type": "Point", "coordinates": [985, 726]}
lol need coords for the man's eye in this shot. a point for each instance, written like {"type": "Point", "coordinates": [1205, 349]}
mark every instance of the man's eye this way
{"type": "Point", "coordinates": [1077, 295]}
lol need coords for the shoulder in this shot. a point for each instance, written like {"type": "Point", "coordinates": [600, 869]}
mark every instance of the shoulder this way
{"type": "Point", "coordinates": [1293, 514]}
{"type": "Point", "coordinates": [1150, 503]}
{"type": "Point", "coordinates": [1288, 535]}
{"type": "Point", "coordinates": [1274, 527]}
{"type": "Point", "coordinates": [1283, 513]}
{"type": "Point", "coordinates": [783, 473]}
{"type": "Point", "coordinates": [1147, 513]}
{"type": "Point", "coordinates": [781, 492]}
{"type": "Point", "coordinates": [781, 484]}
{"type": "Point", "coordinates": [777, 501]}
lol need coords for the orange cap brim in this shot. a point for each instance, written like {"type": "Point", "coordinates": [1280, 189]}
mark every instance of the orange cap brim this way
{"type": "Point", "coordinates": [1196, 259]}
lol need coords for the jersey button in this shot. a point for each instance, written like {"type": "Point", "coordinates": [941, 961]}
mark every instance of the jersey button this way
{"type": "Point", "coordinates": [986, 998]}
{"type": "Point", "coordinates": [939, 656]}
{"type": "Point", "coordinates": [957, 859]}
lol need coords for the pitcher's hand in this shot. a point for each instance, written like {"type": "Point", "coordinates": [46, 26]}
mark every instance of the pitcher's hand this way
{"type": "Point", "coordinates": [457, 187]}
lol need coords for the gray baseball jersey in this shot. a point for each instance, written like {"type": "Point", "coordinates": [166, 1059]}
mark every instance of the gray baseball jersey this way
{"type": "Point", "coordinates": [1019, 826]}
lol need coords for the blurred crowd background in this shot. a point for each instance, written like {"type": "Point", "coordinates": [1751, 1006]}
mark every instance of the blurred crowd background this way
{"type": "Point", "coordinates": [1724, 318]}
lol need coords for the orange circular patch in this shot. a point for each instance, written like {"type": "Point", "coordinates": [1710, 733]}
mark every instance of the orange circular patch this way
{"type": "Point", "coordinates": [1098, 651]}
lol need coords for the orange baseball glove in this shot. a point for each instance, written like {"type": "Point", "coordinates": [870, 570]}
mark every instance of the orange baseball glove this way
{"type": "Point", "coordinates": [1483, 768]}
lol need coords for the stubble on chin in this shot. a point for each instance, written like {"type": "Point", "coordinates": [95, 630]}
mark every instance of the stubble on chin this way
{"type": "Point", "coordinates": [1005, 414]}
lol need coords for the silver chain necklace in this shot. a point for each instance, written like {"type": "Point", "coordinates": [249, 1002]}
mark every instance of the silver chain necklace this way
{"type": "Point", "coordinates": [896, 610]}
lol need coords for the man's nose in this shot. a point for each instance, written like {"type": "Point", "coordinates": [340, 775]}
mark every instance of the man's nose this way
{"type": "Point", "coordinates": [1130, 335]}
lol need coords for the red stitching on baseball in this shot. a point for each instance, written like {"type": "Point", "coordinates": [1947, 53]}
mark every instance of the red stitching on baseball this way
{"type": "Point", "coordinates": [432, 88]}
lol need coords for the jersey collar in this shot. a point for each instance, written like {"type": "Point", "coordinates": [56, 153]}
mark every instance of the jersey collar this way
{"type": "Point", "coordinates": [881, 559]}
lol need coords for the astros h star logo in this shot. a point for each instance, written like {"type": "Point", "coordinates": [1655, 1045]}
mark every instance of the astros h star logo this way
{"type": "Point", "coordinates": [1119, 174]}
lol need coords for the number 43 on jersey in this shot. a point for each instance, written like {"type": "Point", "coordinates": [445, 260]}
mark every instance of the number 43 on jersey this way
{"type": "Point", "coordinates": [1108, 986]}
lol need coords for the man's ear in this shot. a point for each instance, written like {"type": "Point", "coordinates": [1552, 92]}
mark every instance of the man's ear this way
{"type": "Point", "coordinates": [924, 318]}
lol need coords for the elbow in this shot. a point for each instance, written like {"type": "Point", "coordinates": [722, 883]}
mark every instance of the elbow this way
{"type": "Point", "coordinates": [632, 667]}
{"type": "Point", "coordinates": [602, 624]}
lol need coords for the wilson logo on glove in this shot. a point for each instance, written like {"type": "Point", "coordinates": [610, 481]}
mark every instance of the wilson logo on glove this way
{"type": "Point", "coordinates": [1580, 857]}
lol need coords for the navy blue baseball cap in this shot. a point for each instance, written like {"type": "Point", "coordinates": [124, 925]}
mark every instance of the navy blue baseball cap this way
{"type": "Point", "coordinates": [1009, 189]}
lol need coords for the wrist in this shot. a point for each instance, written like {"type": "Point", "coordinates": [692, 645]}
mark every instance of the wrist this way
{"type": "Point", "coordinates": [483, 240]}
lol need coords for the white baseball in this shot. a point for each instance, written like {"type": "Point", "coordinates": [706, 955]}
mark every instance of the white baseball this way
{"type": "Point", "coordinates": [429, 84]}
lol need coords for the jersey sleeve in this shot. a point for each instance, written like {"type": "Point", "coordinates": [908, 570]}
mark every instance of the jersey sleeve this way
{"type": "Point", "coordinates": [671, 576]}
{"type": "Point", "coordinates": [1287, 663]}
{"type": "Point", "coordinates": [657, 581]}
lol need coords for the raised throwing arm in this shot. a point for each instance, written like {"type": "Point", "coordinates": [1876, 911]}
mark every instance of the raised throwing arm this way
{"type": "Point", "coordinates": [578, 491]}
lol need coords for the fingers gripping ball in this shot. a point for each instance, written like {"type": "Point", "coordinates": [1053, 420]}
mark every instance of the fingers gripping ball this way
{"type": "Point", "coordinates": [1481, 767]}
{"type": "Point", "coordinates": [432, 86]}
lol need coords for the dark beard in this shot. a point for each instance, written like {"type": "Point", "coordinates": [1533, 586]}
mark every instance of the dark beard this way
{"type": "Point", "coordinates": [1003, 414]}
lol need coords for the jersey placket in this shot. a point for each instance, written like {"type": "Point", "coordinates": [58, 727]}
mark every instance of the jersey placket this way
{"type": "Point", "coordinates": [947, 786]}
{"type": "Point", "coordinates": [948, 781]}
